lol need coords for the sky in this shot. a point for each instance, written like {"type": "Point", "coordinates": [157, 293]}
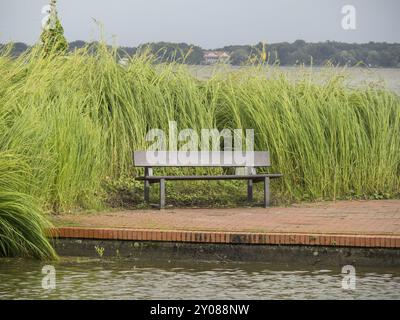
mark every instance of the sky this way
{"type": "Point", "coordinates": [208, 23]}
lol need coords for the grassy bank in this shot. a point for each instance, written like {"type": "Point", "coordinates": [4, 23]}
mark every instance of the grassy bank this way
{"type": "Point", "coordinates": [75, 120]}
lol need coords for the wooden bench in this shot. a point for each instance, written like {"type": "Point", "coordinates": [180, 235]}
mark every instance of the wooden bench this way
{"type": "Point", "coordinates": [261, 159]}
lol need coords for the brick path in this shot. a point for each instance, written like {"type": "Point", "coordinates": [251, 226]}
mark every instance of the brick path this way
{"type": "Point", "coordinates": [343, 222]}
{"type": "Point", "coordinates": [344, 217]}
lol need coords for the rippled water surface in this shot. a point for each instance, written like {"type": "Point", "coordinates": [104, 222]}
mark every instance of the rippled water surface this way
{"type": "Point", "coordinates": [83, 278]}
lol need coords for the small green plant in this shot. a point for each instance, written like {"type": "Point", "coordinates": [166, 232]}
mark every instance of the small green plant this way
{"type": "Point", "coordinates": [99, 250]}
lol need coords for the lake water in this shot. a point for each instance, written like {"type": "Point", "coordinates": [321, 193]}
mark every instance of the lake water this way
{"type": "Point", "coordinates": [356, 76]}
{"type": "Point", "coordinates": [88, 278]}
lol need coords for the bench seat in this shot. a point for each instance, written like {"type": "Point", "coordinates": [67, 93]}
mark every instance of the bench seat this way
{"type": "Point", "coordinates": [254, 177]}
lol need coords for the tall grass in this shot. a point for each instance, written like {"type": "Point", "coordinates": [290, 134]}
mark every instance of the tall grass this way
{"type": "Point", "coordinates": [23, 227]}
{"type": "Point", "coordinates": [77, 118]}
{"type": "Point", "coordinates": [330, 141]}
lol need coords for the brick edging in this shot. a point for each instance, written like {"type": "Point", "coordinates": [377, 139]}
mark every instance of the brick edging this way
{"type": "Point", "coordinates": [367, 241]}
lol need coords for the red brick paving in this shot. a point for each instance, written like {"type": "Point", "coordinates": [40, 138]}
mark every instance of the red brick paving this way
{"type": "Point", "coordinates": [343, 223]}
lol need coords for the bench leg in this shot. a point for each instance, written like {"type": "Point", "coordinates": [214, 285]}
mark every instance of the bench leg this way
{"type": "Point", "coordinates": [162, 194]}
{"type": "Point", "coordinates": [249, 190]}
{"type": "Point", "coordinates": [266, 192]}
{"type": "Point", "coordinates": [146, 191]}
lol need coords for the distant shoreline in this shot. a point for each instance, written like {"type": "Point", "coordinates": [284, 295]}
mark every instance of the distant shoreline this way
{"type": "Point", "coordinates": [371, 55]}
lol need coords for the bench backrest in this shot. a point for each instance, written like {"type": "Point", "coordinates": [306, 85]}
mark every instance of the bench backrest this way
{"type": "Point", "coordinates": [201, 159]}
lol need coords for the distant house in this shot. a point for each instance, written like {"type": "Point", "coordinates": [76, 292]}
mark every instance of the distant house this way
{"type": "Point", "coordinates": [212, 57]}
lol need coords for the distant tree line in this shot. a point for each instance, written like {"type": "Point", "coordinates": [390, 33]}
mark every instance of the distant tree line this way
{"type": "Point", "coordinates": [372, 54]}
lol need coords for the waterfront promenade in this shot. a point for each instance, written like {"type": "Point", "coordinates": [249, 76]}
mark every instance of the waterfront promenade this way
{"type": "Point", "coordinates": [341, 223]}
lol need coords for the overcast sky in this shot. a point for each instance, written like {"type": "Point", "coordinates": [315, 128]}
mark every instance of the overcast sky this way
{"type": "Point", "coordinates": [208, 23]}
